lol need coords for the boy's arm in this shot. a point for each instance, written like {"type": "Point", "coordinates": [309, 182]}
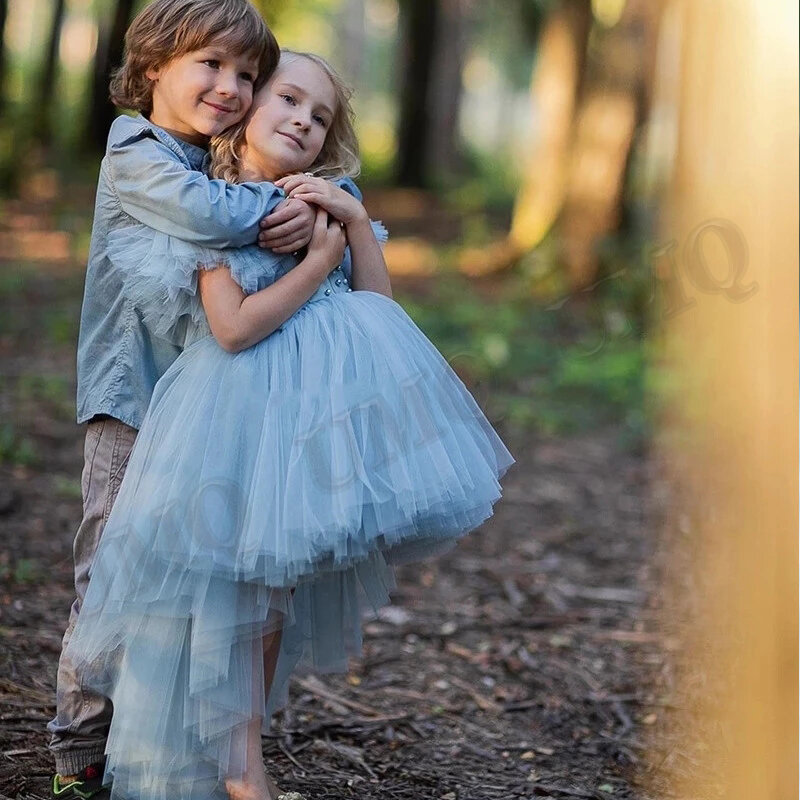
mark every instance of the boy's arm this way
{"type": "Point", "coordinates": [156, 189]}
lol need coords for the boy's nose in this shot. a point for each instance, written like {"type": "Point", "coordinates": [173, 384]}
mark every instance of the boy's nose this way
{"type": "Point", "coordinates": [228, 85]}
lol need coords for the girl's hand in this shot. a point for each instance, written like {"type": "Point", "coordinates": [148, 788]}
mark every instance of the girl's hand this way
{"type": "Point", "coordinates": [325, 194]}
{"type": "Point", "coordinates": [327, 242]}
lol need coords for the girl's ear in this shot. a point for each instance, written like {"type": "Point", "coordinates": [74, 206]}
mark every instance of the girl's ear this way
{"type": "Point", "coordinates": [152, 73]}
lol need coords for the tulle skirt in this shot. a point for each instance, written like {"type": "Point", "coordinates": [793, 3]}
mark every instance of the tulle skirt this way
{"type": "Point", "coordinates": [272, 490]}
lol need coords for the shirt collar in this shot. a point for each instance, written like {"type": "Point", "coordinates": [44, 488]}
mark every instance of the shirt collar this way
{"type": "Point", "coordinates": [196, 156]}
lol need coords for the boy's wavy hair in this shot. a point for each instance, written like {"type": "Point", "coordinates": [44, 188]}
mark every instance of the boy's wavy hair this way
{"type": "Point", "coordinates": [339, 156]}
{"type": "Point", "coordinates": [168, 29]}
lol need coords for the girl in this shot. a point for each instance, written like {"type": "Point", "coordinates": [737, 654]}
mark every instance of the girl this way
{"type": "Point", "coordinates": [308, 438]}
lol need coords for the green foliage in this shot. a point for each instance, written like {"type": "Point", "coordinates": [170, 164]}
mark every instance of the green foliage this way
{"type": "Point", "coordinates": [487, 183]}
{"type": "Point", "coordinates": [27, 570]}
{"type": "Point", "coordinates": [549, 368]}
{"type": "Point", "coordinates": [66, 487]}
{"type": "Point", "coordinates": [24, 570]}
{"type": "Point", "coordinates": [16, 449]}
{"type": "Point", "coordinates": [11, 284]}
{"type": "Point", "coordinates": [53, 391]}
{"type": "Point", "coordinates": [61, 326]}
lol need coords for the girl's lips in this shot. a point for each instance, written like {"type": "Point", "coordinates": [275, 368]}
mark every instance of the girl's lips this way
{"type": "Point", "coordinates": [292, 138]}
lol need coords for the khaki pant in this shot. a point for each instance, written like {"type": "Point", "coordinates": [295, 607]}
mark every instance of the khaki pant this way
{"type": "Point", "coordinates": [79, 730]}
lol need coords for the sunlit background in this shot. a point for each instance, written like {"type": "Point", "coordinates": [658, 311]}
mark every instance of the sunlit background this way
{"type": "Point", "coordinates": [594, 215]}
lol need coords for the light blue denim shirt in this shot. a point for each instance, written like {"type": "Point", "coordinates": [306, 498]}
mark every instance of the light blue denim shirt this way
{"type": "Point", "coordinates": [149, 176]}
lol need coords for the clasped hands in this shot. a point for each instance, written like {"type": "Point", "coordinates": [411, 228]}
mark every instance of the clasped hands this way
{"type": "Point", "coordinates": [290, 226]}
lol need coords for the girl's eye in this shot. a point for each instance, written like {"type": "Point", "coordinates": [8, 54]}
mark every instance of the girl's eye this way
{"type": "Point", "coordinates": [320, 120]}
{"type": "Point", "coordinates": [248, 77]}
{"type": "Point", "coordinates": [288, 98]}
{"type": "Point", "coordinates": [212, 62]}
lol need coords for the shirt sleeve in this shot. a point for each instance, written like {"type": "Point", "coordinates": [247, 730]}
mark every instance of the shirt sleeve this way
{"type": "Point", "coordinates": [155, 188]}
{"type": "Point", "coordinates": [159, 275]}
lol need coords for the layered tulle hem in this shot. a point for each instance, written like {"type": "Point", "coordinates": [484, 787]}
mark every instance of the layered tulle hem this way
{"type": "Point", "coordinates": [186, 681]}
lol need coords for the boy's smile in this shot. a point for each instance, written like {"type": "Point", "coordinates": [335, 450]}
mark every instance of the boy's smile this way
{"type": "Point", "coordinates": [201, 93]}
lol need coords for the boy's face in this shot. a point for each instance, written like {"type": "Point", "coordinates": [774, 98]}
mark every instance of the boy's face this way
{"type": "Point", "coordinates": [291, 118]}
{"type": "Point", "coordinates": [200, 94]}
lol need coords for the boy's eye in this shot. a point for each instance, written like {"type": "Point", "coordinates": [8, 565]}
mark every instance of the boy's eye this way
{"type": "Point", "coordinates": [212, 62]}
{"type": "Point", "coordinates": [288, 98]}
{"type": "Point", "coordinates": [248, 77]}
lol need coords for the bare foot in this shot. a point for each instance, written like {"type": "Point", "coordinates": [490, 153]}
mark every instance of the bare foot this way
{"type": "Point", "coordinates": [254, 789]}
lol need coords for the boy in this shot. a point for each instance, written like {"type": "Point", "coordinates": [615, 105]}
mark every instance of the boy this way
{"type": "Point", "coordinates": [190, 69]}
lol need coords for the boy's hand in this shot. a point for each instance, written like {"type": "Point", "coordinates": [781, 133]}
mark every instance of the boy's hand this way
{"type": "Point", "coordinates": [288, 227]}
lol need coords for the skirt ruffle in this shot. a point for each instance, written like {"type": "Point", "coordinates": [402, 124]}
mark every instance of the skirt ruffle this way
{"type": "Point", "coordinates": [313, 461]}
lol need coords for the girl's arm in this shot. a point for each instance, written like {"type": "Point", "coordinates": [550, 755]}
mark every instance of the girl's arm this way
{"type": "Point", "coordinates": [238, 321]}
{"type": "Point", "coordinates": [369, 266]}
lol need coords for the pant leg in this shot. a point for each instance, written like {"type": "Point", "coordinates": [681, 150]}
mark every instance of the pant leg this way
{"type": "Point", "coordinates": [79, 730]}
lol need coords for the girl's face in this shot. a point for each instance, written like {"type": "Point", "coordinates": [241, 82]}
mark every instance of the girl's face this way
{"type": "Point", "coordinates": [290, 120]}
{"type": "Point", "coordinates": [199, 94]}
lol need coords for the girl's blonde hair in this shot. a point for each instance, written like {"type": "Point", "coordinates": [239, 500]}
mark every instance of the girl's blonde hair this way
{"type": "Point", "coordinates": [339, 155]}
{"type": "Point", "coordinates": [168, 29]}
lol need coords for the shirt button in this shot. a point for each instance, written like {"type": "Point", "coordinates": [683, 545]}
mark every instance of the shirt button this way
{"type": "Point", "coordinates": [327, 291]}
{"type": "Point", "coordinates": [344, 280]}
{"type": "Point", "coordinates": [349, 290]}
{"type": "Point", "coordinates": [338, 281]}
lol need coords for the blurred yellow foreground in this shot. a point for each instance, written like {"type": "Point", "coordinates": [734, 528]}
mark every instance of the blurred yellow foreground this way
{"type": "Point", "coordinates": [731, 341]}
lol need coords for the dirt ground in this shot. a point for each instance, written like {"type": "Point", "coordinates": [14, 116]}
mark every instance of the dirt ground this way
{"type": "Point", "coordinates": [529, 662]}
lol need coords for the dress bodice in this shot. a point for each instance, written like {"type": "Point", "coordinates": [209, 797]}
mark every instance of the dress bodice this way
{"type": "Point", "coordinates": [160, 277]}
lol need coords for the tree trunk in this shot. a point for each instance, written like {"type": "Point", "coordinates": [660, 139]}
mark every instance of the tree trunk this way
{"type": "Point", "coordinates": [352, 35]}
{"type": "Point", "coordinates": [3, 17]}
{"type": "Point", "coordinates": [108, 57]}
{"type": "Point", "coordinates": [42, 128]}
{"type": "Point", "coordinates": [418, 27]}
{"type": "Point", "coordinates": [444, 98]}
{"type": "Point", "coordinates": [613, 106]}
{"type": "Point", "coordinates": [555, 87]}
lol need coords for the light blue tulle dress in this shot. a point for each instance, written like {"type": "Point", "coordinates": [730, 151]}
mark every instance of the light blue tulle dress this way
{"type": "Point", "coordinates": [337, 447]}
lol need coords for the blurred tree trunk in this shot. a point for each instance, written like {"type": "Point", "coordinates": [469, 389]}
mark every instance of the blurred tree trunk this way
{"type": "Point", "coordinates": [555, 87]}
{"type": "Point", "coordinates": [42, 130]}
{"type": "Point", "coordinates": [446, 90]}
{"type": "Point", "coordinates": [3, 17]}
{"type": "Point", "coordinates": [418, 33]}
{"type": "Point", "coordinates": [110, 46]}
{"type": "Point", "coordinates": [729, 431]}
{"type": "Point", "coordinates": [613, 107]}
{"type": "Point", "coordinates": [352, 35]}
{"type": "Point", "coordinates": [589, 103]}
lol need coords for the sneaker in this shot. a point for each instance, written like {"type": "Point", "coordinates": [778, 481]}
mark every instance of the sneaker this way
{"type": "Point", "coordinates": [87, 783]}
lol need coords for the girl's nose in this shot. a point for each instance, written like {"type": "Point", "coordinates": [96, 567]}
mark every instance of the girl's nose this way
{"type": "Point", "coordinates": [302, 122]}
